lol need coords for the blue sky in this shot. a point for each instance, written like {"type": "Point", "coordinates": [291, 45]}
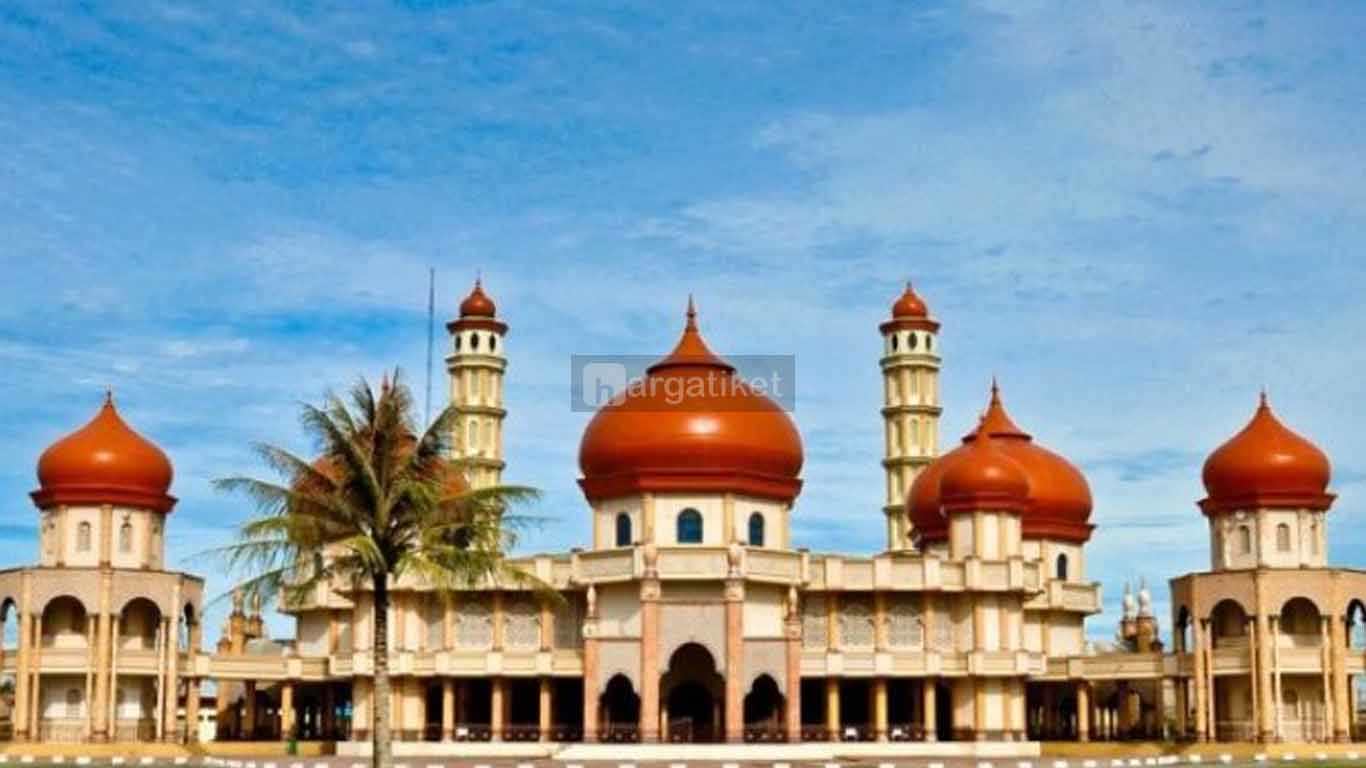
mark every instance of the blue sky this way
{"type": "Point", "coordinates": [1135, 214]}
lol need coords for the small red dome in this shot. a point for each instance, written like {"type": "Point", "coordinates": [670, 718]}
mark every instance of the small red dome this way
{"type": "Point", "coordinates": [1266, 465]}
{"type": "Point", "coordinates": [104, 462]}
{"type": "Point", "coordinates": [1059, 496]}
{"type": "Point", "coordinates": [478, 303]}
{"type": "Point", "coordinates": [909, 305]}
{"type": "Point", "coordinates": [983, 477]}
{"type": "Point", "coordinates": [690, 424]}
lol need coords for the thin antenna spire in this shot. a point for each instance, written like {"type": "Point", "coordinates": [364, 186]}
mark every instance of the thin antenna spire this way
{"type": "Point", "coordinates": [431, 323]}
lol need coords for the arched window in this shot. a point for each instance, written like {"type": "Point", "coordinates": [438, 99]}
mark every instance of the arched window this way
{"type": "Point", "coordinates": [689, 527]}
{"type": "Point", "coordinates": [1244, 540]}
{"type": "Point", "coordinates": [1314, 538]}
{"type": "Point", "coordinates": [1283, 537]}
{"type": "Point", "coordinates": [83, 537]}
{"type": "Point", "coordinates": [126, 537]}
{"type": "Point", "coordinates": [623, 529]}
{"type": "Point", "coordinates": [1062, 568]}
{"type": "Point", "coordinates": [756, 530]}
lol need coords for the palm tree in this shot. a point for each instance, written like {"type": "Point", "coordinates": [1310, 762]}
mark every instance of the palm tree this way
{"type": "Point", "coordinates": [380, 503]}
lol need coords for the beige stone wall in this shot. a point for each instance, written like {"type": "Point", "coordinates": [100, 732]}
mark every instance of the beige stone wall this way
{"type": "Point", "coordinates": [1269, 538]}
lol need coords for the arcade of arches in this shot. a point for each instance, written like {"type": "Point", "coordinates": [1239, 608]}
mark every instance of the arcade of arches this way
{"type": "Point", "coordinates": [689, 615]}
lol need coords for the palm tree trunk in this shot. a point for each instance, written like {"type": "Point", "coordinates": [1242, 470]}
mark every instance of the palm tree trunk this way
{"type": "Point", "coordinates": [381, 748]}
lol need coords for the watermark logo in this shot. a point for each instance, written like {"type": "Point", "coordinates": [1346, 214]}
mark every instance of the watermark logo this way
{"type": "Point", "coordinates": [599, 380]}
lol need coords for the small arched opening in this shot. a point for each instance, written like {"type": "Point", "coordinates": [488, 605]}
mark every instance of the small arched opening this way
{"type": "Point", "coordinates": [1300, 624]}
{"type": "Point", "coordinates": [764, 706]}
{"type": "Point", "coordinates": [694, 692]}
{"type": "Point", "coordinates": [64, 623]}
{"type": "Point", "coordinates": [623, 530]}
{"type": "Point", "coordinates": [620, 708]}
{"type": "Point", "coordinates": [756, 530]}
{"type": "Point", "coordinates": [139, 623]}
{"type": "Point", "coordinates": [1228, 624]}
{"type": "Point", "coordinates": [689, 527]}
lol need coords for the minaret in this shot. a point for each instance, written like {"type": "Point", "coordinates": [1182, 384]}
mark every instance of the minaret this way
{"type": "Point", "coordinates": [910, 411]}
{"type": "Point", "coordinates": [476, 365]}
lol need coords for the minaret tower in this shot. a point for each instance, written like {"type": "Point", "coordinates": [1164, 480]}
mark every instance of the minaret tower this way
{"type": "Point", "coordinates": [476, 364]}
{"type": "Point", "coordinates": [910, 411]}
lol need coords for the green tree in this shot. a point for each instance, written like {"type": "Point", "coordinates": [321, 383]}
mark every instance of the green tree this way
{"type": "Point", "coordinates": [379, 503]}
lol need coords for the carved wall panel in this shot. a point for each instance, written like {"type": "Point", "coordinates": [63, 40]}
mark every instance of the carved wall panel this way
{"type": "Point", "coordinates": [815, 630]}
{"type": "Point", "coordinates": [766, 657]}
{"type": "Point", "coordinates": [522, 624]}
{"type": "Point", "coordinates": [473, 625]}
{"type": "Point", "coordinates": [619, 657]}
{"type": "Point", "coordinates": [83, 585]}
{"type": "Point", "coordinates": [682, 623]}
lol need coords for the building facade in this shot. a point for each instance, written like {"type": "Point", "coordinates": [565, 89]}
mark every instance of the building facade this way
{"type": "Point", "coordinates": [690, 616]}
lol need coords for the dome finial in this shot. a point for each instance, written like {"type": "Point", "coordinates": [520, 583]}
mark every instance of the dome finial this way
{"type": "Point", "coordinates": [109, 395]}
{"type": "Point", "coordinates": [1262, 400]}
{"type": "Point", "coordinates": [691, 314]}
{"type": "Point", "coordinates": [995, 390]}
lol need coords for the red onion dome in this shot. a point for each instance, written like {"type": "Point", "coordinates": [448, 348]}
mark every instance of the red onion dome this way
{"type": "Point", "coordinates": [477, 312]}
{"type": "Point", "coordinates": [908, 304]}
{"type": "Point", "coordinates": [478, 303]}
{"type": "Point", "coordinates": [1059, 496]}
{"type": "Point", "coordinates": [690, 424]}
{"type": "Point", "coordinates": [105, 462]}
{"type": "Point", "coordinates": [909, 311]}
{"type": "Point", "coordinates": [1266, 465]}
{"type": "Point", "coordinates": [983, 477]}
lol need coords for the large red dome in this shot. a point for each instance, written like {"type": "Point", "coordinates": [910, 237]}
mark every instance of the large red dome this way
{"type": "Point", "coordinates": [1059, 496]}
{"type": "Point", "coordinates": [105, 462]}
{"type": "Point", "coordinates": [1266, 465]}
{"type": "Point", "coordinates": [690, 424]}
{"type": "Point", "coordinates": [981, 476]}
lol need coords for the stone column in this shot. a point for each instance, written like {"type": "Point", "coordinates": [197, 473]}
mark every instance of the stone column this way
{"type": "Point", "coordinates": [21, 699]}
{"type": "Point", "coordinates": [35, 665]}
{"type": "Point", "coordinates": [591, 684]}
{"type": "Point", "coordinates": [249, 710]}
{"type": "Point", "coordinates": [792, 703]}
{"type": "Point", "coordinates": [1182, 706]}
{"type": "Point", "coordinates": [192, 710]}
{"type": "Point", "coordinates": [1202, 729]}
{"type": "Point", "coordinates": [100, 702]}
{"type": "Point", "coordinates": [649, 648]}
{"type": "Point", "coordinates": [929, 709]}
{"type": "Point", "coordinates": [1274, 639]}
{"type": "Point", "coordinates": [1326, 667]}
{"type": "Point", "coordinates": [171, 680]}
{"type": "Point", "coordinates": [447, 709]}
{"type": "Point", "coordinates": [545, 712]}
{"type": "Point", "coordinates": [832, 707]}
{"type": "Point", "coordinates": [1083, 711]}
{"type": "Point", "coordinates": [286, 709]}
{"type": "Point", "coordinates": [1342, 699]}
{"type": "Point", "coordinates": [113, 677]}
{"type": "Point", "coordinates": [498, 709]}
{"type": "Point", "coordinates": [362, 708]}
{"type": "Point", "coordinates": [1264, 703]}
{"type": "Point", "coordinates": [735, 660]}
{"type": "Point", "coordinates": [880, 724]}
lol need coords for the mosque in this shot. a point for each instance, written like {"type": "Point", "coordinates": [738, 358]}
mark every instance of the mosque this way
{"type": "Point", "coordinates": [690, 616]}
